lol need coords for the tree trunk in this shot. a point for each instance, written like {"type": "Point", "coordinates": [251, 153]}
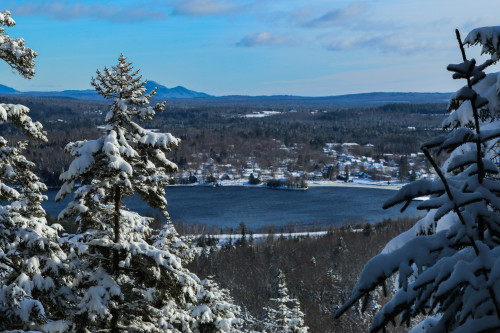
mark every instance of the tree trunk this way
{"type": "Point", "coordinates": [116, 253]}
{"type": "Point", "coordinates": [116, 258]}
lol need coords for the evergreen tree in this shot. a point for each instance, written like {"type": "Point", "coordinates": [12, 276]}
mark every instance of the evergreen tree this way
{"type": "Point", "coordinates": [403, 168]}
{"type": "Point", "coordinates": [448, 262]}
{"type": "Point", "coordinates": [252, 180]}
{"type": "Point", "coordinates": [286, 315]}
{"type": "Point", "coordinates": [249, 323]}
{"type": "Point", "coordinates": [13, 51]}
{"type": "Point", "coordinates": [33, 289]}
{"type": "Point", "coordinates": [214, 311]}
{"type": "Point", "coordinates": [131, 278]}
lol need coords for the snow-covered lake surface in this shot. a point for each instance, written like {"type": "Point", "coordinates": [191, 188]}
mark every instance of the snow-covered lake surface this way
{"type": "Point", "coordinates": [229, 206]}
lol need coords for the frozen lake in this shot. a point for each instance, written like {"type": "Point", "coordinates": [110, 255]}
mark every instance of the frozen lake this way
{"type": "Point", "coordinates": [257, 207]}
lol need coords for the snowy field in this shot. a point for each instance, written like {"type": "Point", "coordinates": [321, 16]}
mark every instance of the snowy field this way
{"type": "Point", "coordinates": [224, 238]}
{"type": "Point", "coordinates": [356, 183]}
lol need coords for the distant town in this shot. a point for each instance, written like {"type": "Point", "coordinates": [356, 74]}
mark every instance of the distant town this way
{"type": "Point", "coordinates": [343, 165]}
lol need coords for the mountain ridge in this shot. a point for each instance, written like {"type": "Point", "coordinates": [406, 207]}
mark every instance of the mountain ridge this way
{"type": "Point", "coordinates": [180, 93]}
{"type": "Point", "coordinates": [5, 89]}
{"type": "Point", "coordinates": [163, 92]}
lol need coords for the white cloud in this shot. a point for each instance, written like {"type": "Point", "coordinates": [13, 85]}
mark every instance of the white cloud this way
{"type": "Point", "coordinates": [338, 16]}
{"type": "Point", "coordinates": [385, 44]}
{"type": "Point", "coordinates": [208, 7]}
{"type": "Point", "coordinates": [265, 39]}
{"type": "Point", "coordinates": [70, 10]}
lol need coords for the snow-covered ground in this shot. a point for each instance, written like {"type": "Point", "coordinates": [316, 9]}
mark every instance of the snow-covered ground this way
{"type": "Point", "coordinates": [224, 238]}
{"type": "Point", "coordinates": [261, 114]}
{"type": "Point", "coordinates": [356, 182]}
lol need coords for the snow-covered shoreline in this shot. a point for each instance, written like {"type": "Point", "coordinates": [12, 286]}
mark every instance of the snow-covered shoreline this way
{"type": "Point", "coordinates": [261, 237]}
{"type": "Point", "coordinates": [361, 184]}
{"type": "Point", "coordinates": [322, 183]}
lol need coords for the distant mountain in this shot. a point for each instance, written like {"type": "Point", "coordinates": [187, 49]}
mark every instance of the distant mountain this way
{"type": "Point", "coordinates": [90, 94]}
{"type": "Point", "coordinates": [351, 100]}
{"type": "Point", "coordinates": [392, 97]}
{"type": "Point", "coordinates": [181, 93]}
{"type": "Point", "coordinates": [176, 92]}
{"type": "Point", "coordinates": [7, 90]}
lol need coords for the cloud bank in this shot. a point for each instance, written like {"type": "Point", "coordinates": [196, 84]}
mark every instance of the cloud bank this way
{"type": "Point", "coordinates": [102, 11]}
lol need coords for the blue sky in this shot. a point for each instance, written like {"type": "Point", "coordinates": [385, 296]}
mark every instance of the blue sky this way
{"type": "Point", "coordinates": [308, 48]}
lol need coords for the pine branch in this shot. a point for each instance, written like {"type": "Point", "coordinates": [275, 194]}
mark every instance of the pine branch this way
{"type": "Point", "coordinates": [462, 220]}
{"type": "Point", "coordinates": [481, 172]}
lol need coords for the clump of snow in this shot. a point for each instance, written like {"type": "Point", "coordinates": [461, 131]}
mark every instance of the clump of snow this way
{"type": "Point", "coordinates": [488, 37]}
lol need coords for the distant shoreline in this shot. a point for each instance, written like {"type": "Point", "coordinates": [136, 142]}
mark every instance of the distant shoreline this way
{"type": "Point", "coordinates": [357, 185]}
{"type": "Point", "coordinates": [381, 185]}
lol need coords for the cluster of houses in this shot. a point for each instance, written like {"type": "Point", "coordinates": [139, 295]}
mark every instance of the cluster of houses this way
{"type": "Point", "coordinates": [340, 163]}
{"type": "Point", "coordinates": [388, 167]}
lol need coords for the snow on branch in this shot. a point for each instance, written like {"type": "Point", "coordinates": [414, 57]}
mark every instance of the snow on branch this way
{"type": "Point", "coordinates": [414, 190]}
{"type": "Point", "coordinates": [488, 37]}
{"type": "Point", "coordinates": [13, 51]}
{"type": "Point", "coordinates": [421, 251]}
{"type": "Point", "coordinates": [18, 114]}
{"type": "Point", "coordinates": [447, 264]}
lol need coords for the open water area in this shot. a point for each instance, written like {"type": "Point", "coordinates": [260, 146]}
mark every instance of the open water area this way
{"type": "Point", "coordinates": [228, 206]}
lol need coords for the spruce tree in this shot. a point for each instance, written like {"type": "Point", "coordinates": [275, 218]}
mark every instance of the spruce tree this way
{"type": "Point", "coordinates": [447, 264]}
{"type": "Point", "coordinates": [286, 315]}
{"type": "Point", "coordinates": [33, 286]}
{"type": "Point", "coordinates": [13, 51]}
{"type": "Point", "coordinates": [214, 310]}
{"type": "Point", "coordinates": [132, 277]}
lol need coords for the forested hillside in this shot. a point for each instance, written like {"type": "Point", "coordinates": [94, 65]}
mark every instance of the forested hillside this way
{"type": "Point", "coordinates": [320, 272]}
{"type": "Point", "coordinates": [226, 135]}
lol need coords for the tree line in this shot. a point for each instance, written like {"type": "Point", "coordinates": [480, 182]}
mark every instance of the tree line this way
{"type": "Point", "coordinates": [224, 135]}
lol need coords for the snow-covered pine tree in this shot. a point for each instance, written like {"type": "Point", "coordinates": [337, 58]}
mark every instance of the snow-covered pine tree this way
{"type": "Point", "coordinates": [131, 278]}
{"type": "Point", "coordinates": [33, 289]}
{"type": "Point", "coordinates": [448, 263]}
{"type": "Point", "coordinates": [286, 316]}
{"type": "Point", "coordinates": [214, 310]}
{"type": "Point", "coordinates": [13, 51]}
